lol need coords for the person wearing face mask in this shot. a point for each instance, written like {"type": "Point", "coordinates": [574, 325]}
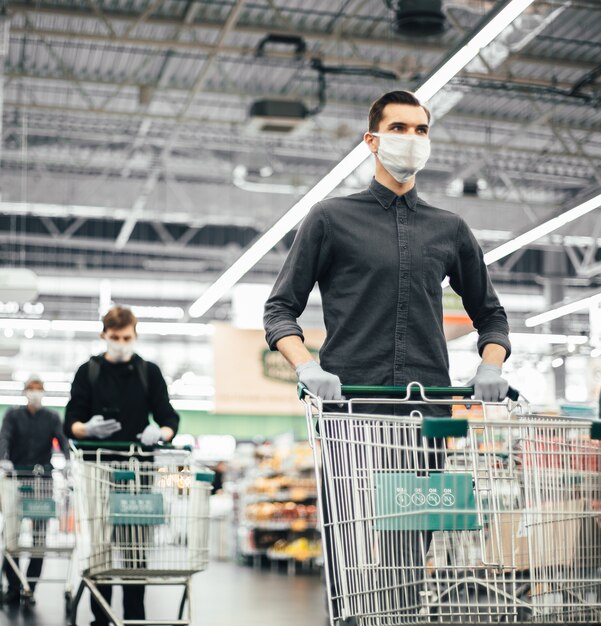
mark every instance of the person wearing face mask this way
{"type": "Point", "coordinates": [112, 396]}
{"type": "Point", "coordinates": [26, 440]}
{"type": "Point", "coordinates": [379, 257]}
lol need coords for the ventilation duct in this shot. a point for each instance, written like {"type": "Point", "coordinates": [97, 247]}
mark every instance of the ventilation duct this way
{"type": "Point", "coordinates": [419, 18]}
{"type": "Point", "coordinates": [280, 117]}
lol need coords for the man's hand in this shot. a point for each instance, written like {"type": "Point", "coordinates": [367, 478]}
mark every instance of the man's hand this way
{"type": "Point", "coordinates": [67, 469]}
{"type": "Point", "coordinates": [488, 384]}
{"type": "Point", "coordinates": [317, 381]}
{"type": "Point", "coordinates": [150, 436]}
{"type": "Point", "coordinates": [6, 465]}
{"type": "Point", "coordinates": [99, 428]}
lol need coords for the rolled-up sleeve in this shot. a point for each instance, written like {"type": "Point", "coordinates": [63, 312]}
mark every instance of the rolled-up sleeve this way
{"type": "Point", "coordinates": [307, 260]}
{"type": "Point", "coordinates": [470, 279]}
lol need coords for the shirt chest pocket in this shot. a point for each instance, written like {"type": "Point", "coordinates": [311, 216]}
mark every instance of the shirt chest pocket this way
{"type": "Point", "coordinates": [433, 269]}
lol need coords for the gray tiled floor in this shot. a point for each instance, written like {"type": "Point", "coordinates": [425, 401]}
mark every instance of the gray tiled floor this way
{"type": "Point", "coordinates": [225, 595]}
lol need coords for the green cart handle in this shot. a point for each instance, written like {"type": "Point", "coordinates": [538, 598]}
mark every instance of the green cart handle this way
{"type": "Point", "coordinates": [94, 444]}
{"type": "Point", "coordinates": [401, 391]}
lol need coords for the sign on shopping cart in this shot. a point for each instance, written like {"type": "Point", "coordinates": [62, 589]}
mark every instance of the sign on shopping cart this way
{"type": "Point", "coordinates": [439, 501]}
{"type": "Point", "coordinates": [38, 508]}
{"type": "Point", "coordinates": [144, 509]}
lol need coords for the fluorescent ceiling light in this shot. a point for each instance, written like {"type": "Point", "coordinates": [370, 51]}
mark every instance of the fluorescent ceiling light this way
{"type": "Point", "coordinates": [351, 161]}
{"type": "Point", "coordinates": [469, 51]}
{"type": "Point", "coordinates": [283, 226]}
{"type": "Point", "coordinates": [543, 338]}
{"type": "Point", "coordinates": [560, 311]}
{"type": "Point", "coordinates": [532, 338]}
{"type": "Point", "coordinates": [95, 327]}
{"type": "Point", "coordinates": [61, 401]}
{"type": "Point", "coordinates": [541, 230]}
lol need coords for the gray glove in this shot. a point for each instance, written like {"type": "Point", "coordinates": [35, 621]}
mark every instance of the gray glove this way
{"type": "Point", "coordinates": [6, 465]}
{"type": "Point", "coordinates": [67, 468]}
{"type": "Point", "coordinates": [150, 436]}
{"type": "Point", "coordinates": [99, 428]}
{"type": "Point", "coordinates": [488, 384]}
{"type": "Point", "coordinates": [317, 381]}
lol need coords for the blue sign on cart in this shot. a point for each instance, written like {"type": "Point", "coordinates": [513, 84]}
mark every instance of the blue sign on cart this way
{"type": "Point", "coordinates": [143, 509]}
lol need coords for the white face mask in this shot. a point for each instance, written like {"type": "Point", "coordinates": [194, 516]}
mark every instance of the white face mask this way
{"type": "Point", "coordinates": [119, 352]}
{"type": "Point", "coordinates": [34, 398]}
{"type": "Point", "coordinates": [403, 155]}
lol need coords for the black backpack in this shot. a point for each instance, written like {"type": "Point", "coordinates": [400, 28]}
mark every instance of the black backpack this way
{"type": "Point", "coordinates": [139, 363]}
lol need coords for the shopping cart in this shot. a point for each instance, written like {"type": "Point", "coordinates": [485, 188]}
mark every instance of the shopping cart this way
{"type": "Point", "coordinates": [36, 503]}
{"type": "Point", "coordinates": [142, 518]}
{"type": "Point", "coordinates": [437, 520]}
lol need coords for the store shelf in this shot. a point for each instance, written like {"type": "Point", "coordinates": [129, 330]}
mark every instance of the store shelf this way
{"type": "Point", "coordinates": [282, 496]}
{"type": "Point", "coordinates": [277, 506]}
{"type": "Point", "coordinates": [295, 525]}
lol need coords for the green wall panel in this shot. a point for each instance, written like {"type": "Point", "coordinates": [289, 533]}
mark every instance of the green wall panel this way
{"type": "Point", "coordinates": [240, 426]}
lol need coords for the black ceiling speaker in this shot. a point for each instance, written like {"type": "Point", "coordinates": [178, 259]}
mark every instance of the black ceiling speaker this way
{"type": "Point", "coordinates": [419, 17]}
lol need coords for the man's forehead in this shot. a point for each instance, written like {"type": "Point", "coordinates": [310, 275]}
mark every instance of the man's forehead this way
{"type": "Point", "coordinates": [404, 113]}
{"type": "Point", "coordinates": [128, 330]}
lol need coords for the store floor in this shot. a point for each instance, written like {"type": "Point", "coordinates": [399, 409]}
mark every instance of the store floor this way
{"type": "Point", "coordinates": [226, 594]}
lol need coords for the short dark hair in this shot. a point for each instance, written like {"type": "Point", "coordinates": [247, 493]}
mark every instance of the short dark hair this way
{"type": "Point", "coordinates": [376, 111]}
{"type": "Point", "coordinates": [117, 318]}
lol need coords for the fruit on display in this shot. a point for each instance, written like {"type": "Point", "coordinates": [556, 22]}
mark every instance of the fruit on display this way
{"type": "Point", "coordinates": [281, 512]}
{"type": "Point", "coordinates": [300, 549]}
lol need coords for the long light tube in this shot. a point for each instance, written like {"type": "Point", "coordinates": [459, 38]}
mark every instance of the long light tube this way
{"type": "Point", "coordinates": [542, 229]}
{"type": "Point", "coordinates": [528, 338]}
{"type": "Point", "coordinates": [441, 77]}
{"type": "Point", "coordinates": [95, 327]}
{"type": "Point", "coordinates": [560, 311]}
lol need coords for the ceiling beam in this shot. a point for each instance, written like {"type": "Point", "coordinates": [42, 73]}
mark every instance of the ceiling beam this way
{"type": "Point", "coordinates": [389, 43]}
{"type": "Point", "coordinates": [146, 248]}
{"type": "Point", "coordinates": [204, 120]}
{"type": "Point", "coordinates": [15, 72]}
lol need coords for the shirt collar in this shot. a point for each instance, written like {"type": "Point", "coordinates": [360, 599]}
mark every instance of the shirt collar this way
{"type": "Point", "coordinates": [387, 198]}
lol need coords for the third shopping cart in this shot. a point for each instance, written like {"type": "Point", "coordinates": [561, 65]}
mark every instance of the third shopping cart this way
{"type": "Point", "coordinates": [434, 519]}
{"type": "Point", "coordinates": [36, 504]}
{"type": "Point", "coordinates": [143, 518]}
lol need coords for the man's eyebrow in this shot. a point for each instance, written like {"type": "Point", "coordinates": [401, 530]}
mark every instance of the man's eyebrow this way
{"type": "Point", "coordinates": [423, 126]}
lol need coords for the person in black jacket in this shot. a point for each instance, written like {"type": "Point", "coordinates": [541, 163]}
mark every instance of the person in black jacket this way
{"type": "Point", "coordinates": [25, 441]}
{"type": "Point", "coordinates": [112, 396]}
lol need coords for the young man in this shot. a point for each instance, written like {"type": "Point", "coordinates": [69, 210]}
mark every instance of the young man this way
{"type": "Point", "coordinates": [111, 397]}
{"type": "Point", "coordinates": [25, 441]}
{"type": "Point", "coordinates": [379, 257]}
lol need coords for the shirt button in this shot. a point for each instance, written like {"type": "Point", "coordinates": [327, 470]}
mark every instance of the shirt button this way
{"type": "Point", "coordinates": [403, 220]}
{"type": "Point", "coordinates": [404, 246]}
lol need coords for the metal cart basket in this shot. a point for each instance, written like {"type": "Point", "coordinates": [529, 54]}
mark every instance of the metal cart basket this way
{"type": "Point", "coordinates": [437, 520]}
{"type": "Point", "coordinates": [36, 503]}
{"type": "Point", "coordinates": [143, 518]}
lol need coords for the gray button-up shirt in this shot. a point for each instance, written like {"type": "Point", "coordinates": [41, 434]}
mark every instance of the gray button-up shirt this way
{"type": "Point", "coordinates": [379, 260]}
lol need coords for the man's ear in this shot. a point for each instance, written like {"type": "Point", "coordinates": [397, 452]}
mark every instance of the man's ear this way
{"type": "Point", "coordinates": [371, 141]}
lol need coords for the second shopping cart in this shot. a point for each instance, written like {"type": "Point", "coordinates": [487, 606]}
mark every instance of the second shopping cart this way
{"type": "Point", "coordinates": [143, 519]}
